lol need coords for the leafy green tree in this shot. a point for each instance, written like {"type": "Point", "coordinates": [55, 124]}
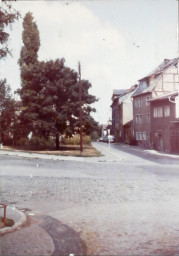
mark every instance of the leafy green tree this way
{"type": "Point", "coordinates": [62, 107]}
{"type": "Point", "coordinates": [73, 108]}
{"type": "Point", "coordinates": [50, 92]}
{"type": "Point", "coordinates": [7, 112]}
{"type": "Point", "coordinates": [7, 16]}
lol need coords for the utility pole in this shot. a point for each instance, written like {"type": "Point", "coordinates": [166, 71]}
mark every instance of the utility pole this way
{"type": "Point", "coordinates": [80, 94]}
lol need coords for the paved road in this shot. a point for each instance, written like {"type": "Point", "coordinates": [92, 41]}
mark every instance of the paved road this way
{"type": "Point", "coordinates": [124, 203]}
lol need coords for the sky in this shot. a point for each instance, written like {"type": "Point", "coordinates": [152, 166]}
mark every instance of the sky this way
{"type": "Point", "coordinates": [116, 41]}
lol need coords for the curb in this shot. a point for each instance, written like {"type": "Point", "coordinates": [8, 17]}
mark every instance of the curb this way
{"type": "Point", "coordinates": [41, 156]}
{"type": "Point", "coordinates": [18, 216]}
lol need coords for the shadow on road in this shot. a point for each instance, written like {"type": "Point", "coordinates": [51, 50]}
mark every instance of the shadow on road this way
{"type": "Point", "coordinates": [66, 240]}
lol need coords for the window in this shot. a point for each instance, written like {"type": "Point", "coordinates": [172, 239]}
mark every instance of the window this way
{"type": "Point", "coordinates": [155, 112]}
{"type": "Point", "coordinates": [144, 136]}
{"type": "Point", "coordinates": [138, 103]}
{"type": "Point", "coordinates": [137, 135]}
{"type": "Point", "coordinates": [148, 118]}
{"type": "Point", "coordinates": [158, 112]}
{"type": "Point", "coordinates": [140, 135]}
{"type": "Point", "coordinates": [147, 101]}
{"type": "Point", "coordinates": [138, 119]}
{"type": "Point", "coordinates": [166, 111]}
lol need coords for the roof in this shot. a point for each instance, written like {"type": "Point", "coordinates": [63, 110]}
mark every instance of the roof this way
{"type": "Point", "coordinates": [128, 124]}
{"type": "Point", "coordinates": [161, 68]}
{"type": "Point", "coordinates": [117, 92]}
{"type": "Point", "coordinates": [165, 96]}
{"type": "Point", "coordinates": [122, 94]}
{"type": "Point", "coordinates": [128, 94]}
{"type": "Point", "coordinates": [145, 86]}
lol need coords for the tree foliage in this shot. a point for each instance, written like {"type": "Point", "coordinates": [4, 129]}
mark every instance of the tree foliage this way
{"type": "Point", "coordinates": [50, 92]}
{"type": "Point", "coordinates": [7, 111]}
{"type": "Point", "coordinates": [29, 67]}
{"type": "Point", "coordinates": [7, 16]}
{"type": "Point", "coordinates": [31, 40]}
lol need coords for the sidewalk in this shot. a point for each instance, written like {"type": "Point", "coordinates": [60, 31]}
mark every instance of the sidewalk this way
{"type": "Point", "coordinates": [149, 151]}
{"type": "Point", "coordinates": [51, 156]}
{"type": "Point", "coordinates": [43, 235]}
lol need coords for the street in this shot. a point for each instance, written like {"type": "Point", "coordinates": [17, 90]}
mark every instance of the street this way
{"type": "Point", "coordinates": [124, 203]}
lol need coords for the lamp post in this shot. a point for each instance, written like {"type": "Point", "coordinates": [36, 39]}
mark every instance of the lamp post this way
{"type": "Point", "coordinates": [109, 132]}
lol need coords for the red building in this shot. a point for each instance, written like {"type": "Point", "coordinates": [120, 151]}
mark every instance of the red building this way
{"type": "Point", "coordinates": [162, 80]}
{"type": "Point", "coordinates": [165, 123]}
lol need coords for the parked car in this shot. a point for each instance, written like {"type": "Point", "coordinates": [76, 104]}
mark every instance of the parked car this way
{"type": "Point", "coordinates": [111, 138]}
{"type": "Point", "coordinates": [100, 139]}
{"type": "Point", "coordinates": [105, 139]}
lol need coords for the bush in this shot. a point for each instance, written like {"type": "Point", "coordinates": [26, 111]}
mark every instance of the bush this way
{"type": "Point", "coordinates": [94, 136]}
{"type": "Point", "coordinates": [22, 142]}
{"type": "Point", "coordinates": [75, 140]}
{"type": "Point", "coordinates": [40, 142]}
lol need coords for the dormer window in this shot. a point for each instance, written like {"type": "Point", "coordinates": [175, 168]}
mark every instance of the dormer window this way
{"type": "Point", "coordinates": [143, 85]}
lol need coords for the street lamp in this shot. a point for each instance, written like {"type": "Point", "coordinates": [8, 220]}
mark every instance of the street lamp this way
{"type": "Point", "coordinates": [109, 132]}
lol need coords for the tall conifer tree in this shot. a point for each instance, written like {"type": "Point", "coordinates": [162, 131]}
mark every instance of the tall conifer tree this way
{"type": "Point", "coordinates": [29, 67]}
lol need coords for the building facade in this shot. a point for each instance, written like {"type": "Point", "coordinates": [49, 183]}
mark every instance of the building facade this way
{"type": "Point", "coordinates": [165, 123]}
{"type": "Point", "coordinates": [164, 79]}
{"type": "Point", "coordinates": [116, 113]}
{"type": "Point", "coordinates": [122, 116]}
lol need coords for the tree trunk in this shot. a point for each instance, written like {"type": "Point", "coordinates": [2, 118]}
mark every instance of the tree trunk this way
{"type": "Point", "coordinates": [57, 141]}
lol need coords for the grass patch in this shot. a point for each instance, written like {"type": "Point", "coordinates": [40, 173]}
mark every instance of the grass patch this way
{"type": "Point", "coordinates": [7, 223]}
{"type": "Point", "coordinates": [64, 150]}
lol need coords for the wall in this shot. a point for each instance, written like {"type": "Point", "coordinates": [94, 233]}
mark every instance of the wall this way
{"type": "Point", "coordinates": [160, 126]}
{"type": "Point", "coordinates": [144, 126]}
{"type": "Point", "coordinates": [168, 82]}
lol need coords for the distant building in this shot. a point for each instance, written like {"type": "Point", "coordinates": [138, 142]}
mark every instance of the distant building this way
{"type": "Point", "coordinates": [165, 123]}
{"type": "Point", "coordinates": [122, 115]}
{"type": "Point", "coordinates": [115, 112]}
{"type": "Point", "coordinates": [104, 130]}
{"type": "Point", "coordinates": [164, 79]}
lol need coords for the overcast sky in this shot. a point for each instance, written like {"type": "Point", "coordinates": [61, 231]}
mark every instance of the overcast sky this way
{"type": "Point", "coordinates": [117, 41]}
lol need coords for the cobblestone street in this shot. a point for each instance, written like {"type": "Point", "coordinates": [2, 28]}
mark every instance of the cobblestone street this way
{"type": "Point", "coordinates": [113, 205]}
